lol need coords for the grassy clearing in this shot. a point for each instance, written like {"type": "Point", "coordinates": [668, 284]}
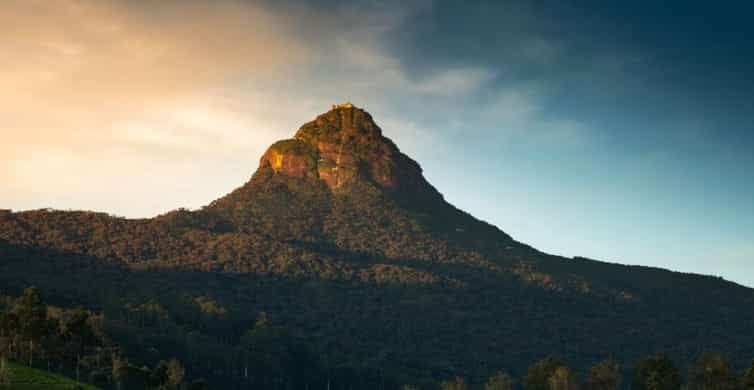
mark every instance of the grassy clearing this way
{"type": "Point", "coordinates": [25, 378]}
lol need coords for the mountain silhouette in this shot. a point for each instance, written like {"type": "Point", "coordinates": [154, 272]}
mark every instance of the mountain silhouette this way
{"type": "Point", "coordinates": [340, 238]}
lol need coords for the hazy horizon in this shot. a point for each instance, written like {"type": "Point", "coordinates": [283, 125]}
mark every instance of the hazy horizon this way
{"type": "Point", "coordinates": [604, 132]}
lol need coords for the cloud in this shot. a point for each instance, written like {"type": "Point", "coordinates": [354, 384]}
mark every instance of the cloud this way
{"type": "Point", "coordinates": [518, 112]}
{"type": "Point", "coordinates": [74, 68]}
{"type": "Point", "coordinates": [455, 81]}
{"type": "Point", "coordinates": [99, 97]}
{"type": "Point", "coordinates": [538, 50]}
{"type": "Point", "coordinates": [363, 57]}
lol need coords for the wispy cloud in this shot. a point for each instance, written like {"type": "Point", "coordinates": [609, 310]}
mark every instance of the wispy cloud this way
{"type": "Point", "coordinates": [455, 81]}
{"type": "Point", "coordinates": [119, 89]}
{"type": "Point", "coordinates": [519, 112]}
{"type": "Point", "coordinates": [77, 67]}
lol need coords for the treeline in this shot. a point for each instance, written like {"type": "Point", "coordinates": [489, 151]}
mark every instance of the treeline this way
{"type": "Point", "coordinates": [656, 372]}
{"type": "Point", "coordinates": [104, 351]}
{"type": "Point", "coordinates": [76, 342]}
{"type": "Point", "coordinates": [73, 342]}
{"type": "Point", "coordinates": [61, 340]}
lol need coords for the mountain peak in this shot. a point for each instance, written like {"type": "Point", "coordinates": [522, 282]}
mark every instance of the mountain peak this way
{"type": "Point", "coordinates": [342, 121]}
{"type": "Point", "coordinates": [342, 146]}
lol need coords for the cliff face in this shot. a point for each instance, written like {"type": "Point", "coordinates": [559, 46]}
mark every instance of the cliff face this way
{"type": "Point", "coordinates": [293, 158]}
{"type": "Point", "coordinates": [340, 147]}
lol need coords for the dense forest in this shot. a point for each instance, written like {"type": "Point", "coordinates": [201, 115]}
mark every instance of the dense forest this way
{"type": "Point", "coordinates": [75, 342]}
{"type": "Point", "coordinates": [338, 266]}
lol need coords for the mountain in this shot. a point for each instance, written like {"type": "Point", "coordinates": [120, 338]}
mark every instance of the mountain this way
{"type": "Point", "coordinates": [339, 239]}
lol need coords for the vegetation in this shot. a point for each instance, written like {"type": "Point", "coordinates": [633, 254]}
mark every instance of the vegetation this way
{"type": "Point", "coordinates": [747, 382]}
{"type": "Point", "coordinates": [456, 383]}
{"type": "Point", "coordinates": [73, 342]}
{"type": "Point", "coordinates": [25, 378]}
{"type": "Point", "coordinates": [294, 146]}
{"type": "Point", "coordinates": [499, 381]}
{"type": "Point", "coordinates": [712, 372]}
{"type": "Point", "coordinates": [605, 375]}
{"type": "Point", "coordinates": [656, 373]}
{"type": "Point", "coordinates": [541, 373]}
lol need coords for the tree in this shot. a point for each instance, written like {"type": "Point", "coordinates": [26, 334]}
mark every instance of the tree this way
{"type": "Point", "coordinates": [539, 373]}
{"type": "Point", "coordinates": [32, 317]}
{"type": "Point", "coordinates": [409, 387]}
{"type": "Point", "coordinates": [8, 323]}
{"type": "Point", "coordinates": [175, 374]}
{"type": "Point", "coordinates": [712, 372]}
{"type": "Point", "coordinates": [562, 379]}
{"type": "Point", "coordinates": [456, 383]}
{"type": "Point", "coordinates": [656, 373]}
{"type": "Point", "coordinates": [268, 350]}
{"type": "Point", "coordinates": [4, 373]}
{"type": "Point", "coordinates": [604, 375]}
{"type": "Point", "coordinates": [167, 375]}
{"type": "Point", "coordinates": [74, 327]}
{"type": "Point", "coordinates": [119, 369]}
{"type": "Point", "coordinates": [158, 377]}
{"type": "Point", "coordinates": [500, 381]}
{"type": "Point", "coordinates": [747, 381]}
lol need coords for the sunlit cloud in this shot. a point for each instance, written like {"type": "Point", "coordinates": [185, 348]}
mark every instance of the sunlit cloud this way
{"type": "Point", "coordinates": [118, 91]}
{"type": "Point", "coordinates": [75, 67]}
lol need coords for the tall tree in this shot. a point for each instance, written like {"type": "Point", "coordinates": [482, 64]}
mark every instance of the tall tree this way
{"type": "Point", "coordinates": [712, 372]}
{"type": "Point", "coordinates": [656, 373]}
{"type": "Point", "coordinates": [75, 328]}
{"type": "Point", "coordinates": [158, 377]}
{"type": "Point", "coordinates": [175, 374]}
{"type": "Point", "coordinates": [539, 373]}
{"type": "Point", "coordinates": [562, 379]}
{"type": "Point", "coordinates": [269, 350]}
{"type": "Point", "coordinates": [604, 375]}
{"type": "Point", "coordinates": [32, 318]}
{"type": "Point", "coordinates": [119, 369]}
{"type": "Point", "coordinates": [500, 381]}
{"type": "Point", "coordinates": [4, 372]}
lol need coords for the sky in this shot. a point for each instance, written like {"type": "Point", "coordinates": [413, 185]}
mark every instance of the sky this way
{"type": "Point", "coordinates": [619, 131]}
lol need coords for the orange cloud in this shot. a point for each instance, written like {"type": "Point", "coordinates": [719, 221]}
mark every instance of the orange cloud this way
{"type": "Point", "coordinates": [87, 62]}
{"type": "Point", "coordinates": [88, 85]}
{"type": "Point", "coordinates": [139, 106]}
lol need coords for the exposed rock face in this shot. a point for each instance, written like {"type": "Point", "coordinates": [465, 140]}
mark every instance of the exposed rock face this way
{"type": "Point", "coordinates": [291, 157]}
{"type": "Point", "coordinates": [341, 146]}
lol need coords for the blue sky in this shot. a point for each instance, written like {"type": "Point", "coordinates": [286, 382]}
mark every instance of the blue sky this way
{"type": "Point", "coordinates": [619, 131]}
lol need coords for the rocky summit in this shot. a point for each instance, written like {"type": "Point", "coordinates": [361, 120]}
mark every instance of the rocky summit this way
{"type": "Point", "coordinates": [341, 146]}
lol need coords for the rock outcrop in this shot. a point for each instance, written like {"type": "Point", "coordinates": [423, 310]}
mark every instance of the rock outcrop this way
{"type": "Point", "coordinates": [341, 146]}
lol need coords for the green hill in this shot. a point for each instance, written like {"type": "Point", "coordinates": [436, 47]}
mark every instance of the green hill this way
{"type": "Point", "coordinates": [26, 378]}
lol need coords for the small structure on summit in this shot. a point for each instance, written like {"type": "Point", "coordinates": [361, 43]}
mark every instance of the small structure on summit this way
{"type": "Point", "coordinates": [344, 105]}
